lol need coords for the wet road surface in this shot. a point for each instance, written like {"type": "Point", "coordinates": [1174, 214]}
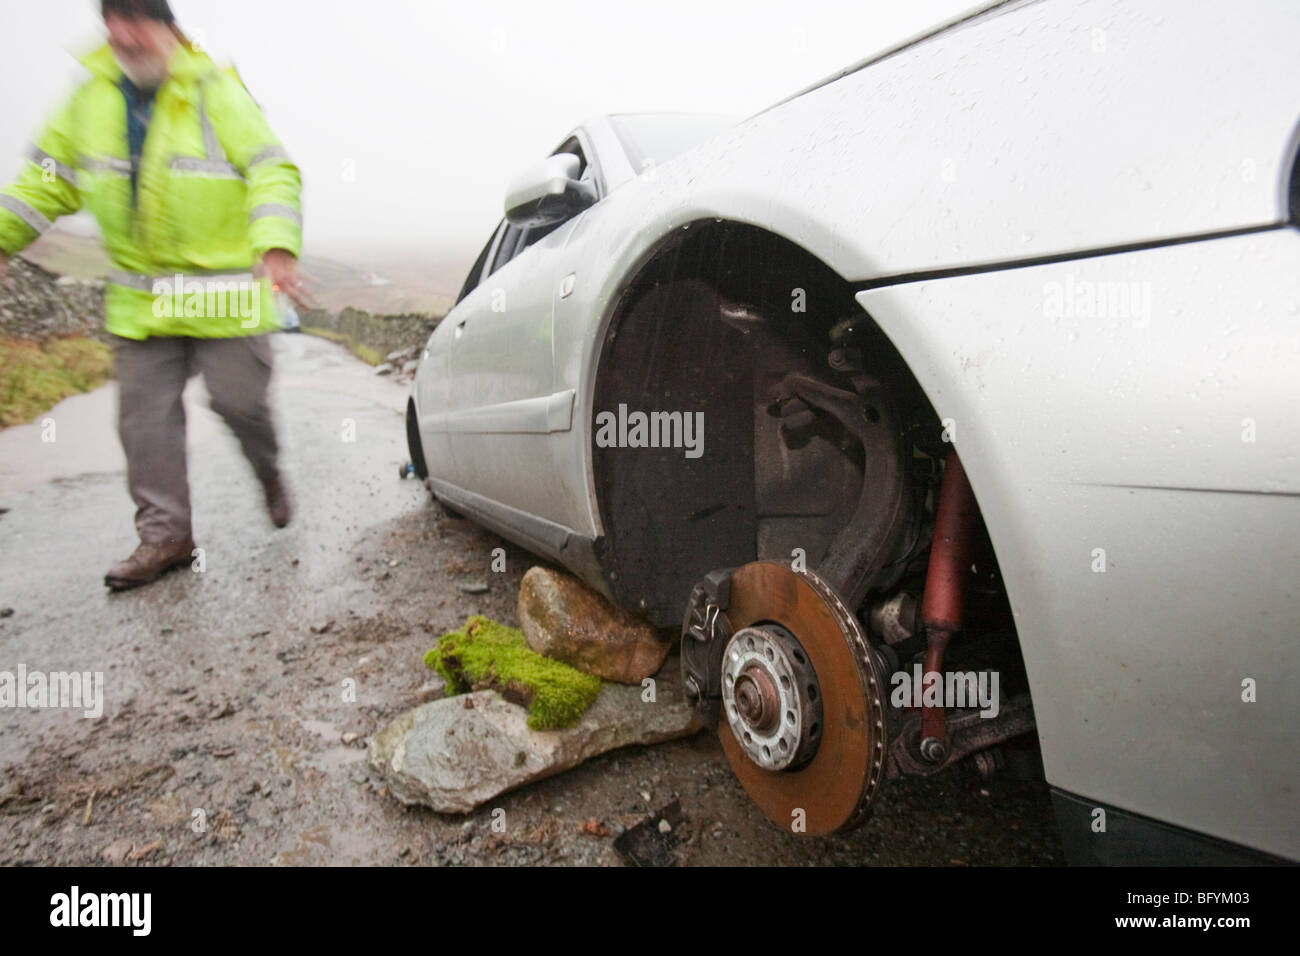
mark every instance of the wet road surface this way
{"type": "Point", "coordinates": [227, 736]}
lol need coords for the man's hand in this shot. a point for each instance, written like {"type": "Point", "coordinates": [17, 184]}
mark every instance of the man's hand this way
{"type": "Point", "coordinates": [282, 267]}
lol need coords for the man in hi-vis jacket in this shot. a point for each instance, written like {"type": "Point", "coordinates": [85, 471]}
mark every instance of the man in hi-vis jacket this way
{"type": "Point", "coordinates": [199, 208]}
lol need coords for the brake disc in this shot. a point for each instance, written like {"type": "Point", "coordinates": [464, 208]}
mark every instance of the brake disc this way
{"type": "Point", "coordinates": [803, 701]}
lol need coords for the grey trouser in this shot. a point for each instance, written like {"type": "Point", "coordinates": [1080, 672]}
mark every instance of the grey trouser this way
{"type": "Point", "coordinates": [151, 376]}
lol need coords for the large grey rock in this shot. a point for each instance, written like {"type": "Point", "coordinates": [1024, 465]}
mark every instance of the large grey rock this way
{"type": "Point", "coordinates": [457, 753]}
{"type": "Point", "coordinates": [564, 619]}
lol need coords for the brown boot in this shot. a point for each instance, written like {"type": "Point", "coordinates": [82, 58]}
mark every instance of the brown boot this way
{"type": "Point", "coordinates": [149, 563]}
{"type": "Point", "coordinates": [277, 501]}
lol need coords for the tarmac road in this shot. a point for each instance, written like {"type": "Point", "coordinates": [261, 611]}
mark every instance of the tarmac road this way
{"type": "Point", "coordinates": [225, 736]}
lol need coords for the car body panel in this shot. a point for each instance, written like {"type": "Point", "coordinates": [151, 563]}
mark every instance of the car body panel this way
{"type": "Point", "coordinates": [1175, 118]}
{"type": "Point", "coordinates": [1168, 440]}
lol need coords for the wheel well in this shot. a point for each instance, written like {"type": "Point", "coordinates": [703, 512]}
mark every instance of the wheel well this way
{"type": "Point", "coordinates": [720, 314]}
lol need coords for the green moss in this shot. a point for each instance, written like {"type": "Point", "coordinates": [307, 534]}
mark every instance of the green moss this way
{"type": "Point", "coordinates": [487, 654]}
{"type": "Point", "coordinates": [36, 377]}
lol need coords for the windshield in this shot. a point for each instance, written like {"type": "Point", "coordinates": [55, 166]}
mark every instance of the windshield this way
{"type": "Point", "coordinates": [653, 138]}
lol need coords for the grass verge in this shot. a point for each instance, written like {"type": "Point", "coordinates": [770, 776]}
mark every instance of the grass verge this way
{"type": "Point", "coordinates": [36, 376]}
{"type": "Point", "coordinates": [363, 352]}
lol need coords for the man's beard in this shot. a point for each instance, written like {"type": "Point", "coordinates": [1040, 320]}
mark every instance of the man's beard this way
{"type": "Point", "coordinates": [146, 72]}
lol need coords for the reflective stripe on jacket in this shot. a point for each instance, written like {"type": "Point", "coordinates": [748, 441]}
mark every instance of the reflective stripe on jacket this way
{"type": "Point", "coordinates": [215, 191]}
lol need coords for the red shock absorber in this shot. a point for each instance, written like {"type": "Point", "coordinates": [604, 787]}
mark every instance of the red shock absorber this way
{"type": "Point", "coordinates": [944, 601]}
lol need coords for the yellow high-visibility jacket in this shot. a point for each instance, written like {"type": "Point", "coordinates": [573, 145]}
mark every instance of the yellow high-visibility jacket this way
{"type": "Point", "coordinates": [215, 190]}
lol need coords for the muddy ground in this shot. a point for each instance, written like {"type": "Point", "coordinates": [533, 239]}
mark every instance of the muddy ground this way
{"type": "Point", "coordinates": [226, 738]}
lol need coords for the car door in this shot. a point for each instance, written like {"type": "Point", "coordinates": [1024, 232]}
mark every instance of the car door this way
{"type": "Point", "coordinates": [502, 408]}
{"type": "Point", "coordinates": [433, 388]}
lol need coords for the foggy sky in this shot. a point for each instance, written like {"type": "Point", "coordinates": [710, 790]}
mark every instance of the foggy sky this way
{"type": "Point", "coordinates": [432, 107]}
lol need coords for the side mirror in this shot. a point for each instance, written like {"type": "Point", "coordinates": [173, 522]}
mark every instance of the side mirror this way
{"type": "Point", "coordinates": [549, 192]}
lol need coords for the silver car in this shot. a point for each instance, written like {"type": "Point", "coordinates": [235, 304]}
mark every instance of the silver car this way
{"type": "Point", "coordinates": [949, 400]}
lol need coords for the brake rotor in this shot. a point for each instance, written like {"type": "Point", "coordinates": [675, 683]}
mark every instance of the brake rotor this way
{"type": "Point", "coordinates": [835, 786]}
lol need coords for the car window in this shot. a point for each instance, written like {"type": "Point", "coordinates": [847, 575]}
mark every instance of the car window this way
{"type": "Point", "coordinates": [476, 271]}
{"type": "Point", "coordinates": [510, 246]}
{"type": "Point", "coordinates": [518, 239]}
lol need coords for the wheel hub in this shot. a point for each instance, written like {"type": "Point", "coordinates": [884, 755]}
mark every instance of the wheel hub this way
{"type": "Point", "coordinates": [810, 754]}
{"type": "Point", "coordinates": [771, 697]}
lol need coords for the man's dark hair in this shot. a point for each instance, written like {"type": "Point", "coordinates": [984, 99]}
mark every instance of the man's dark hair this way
{"type": "Point", "coordinates": [138, 9]}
